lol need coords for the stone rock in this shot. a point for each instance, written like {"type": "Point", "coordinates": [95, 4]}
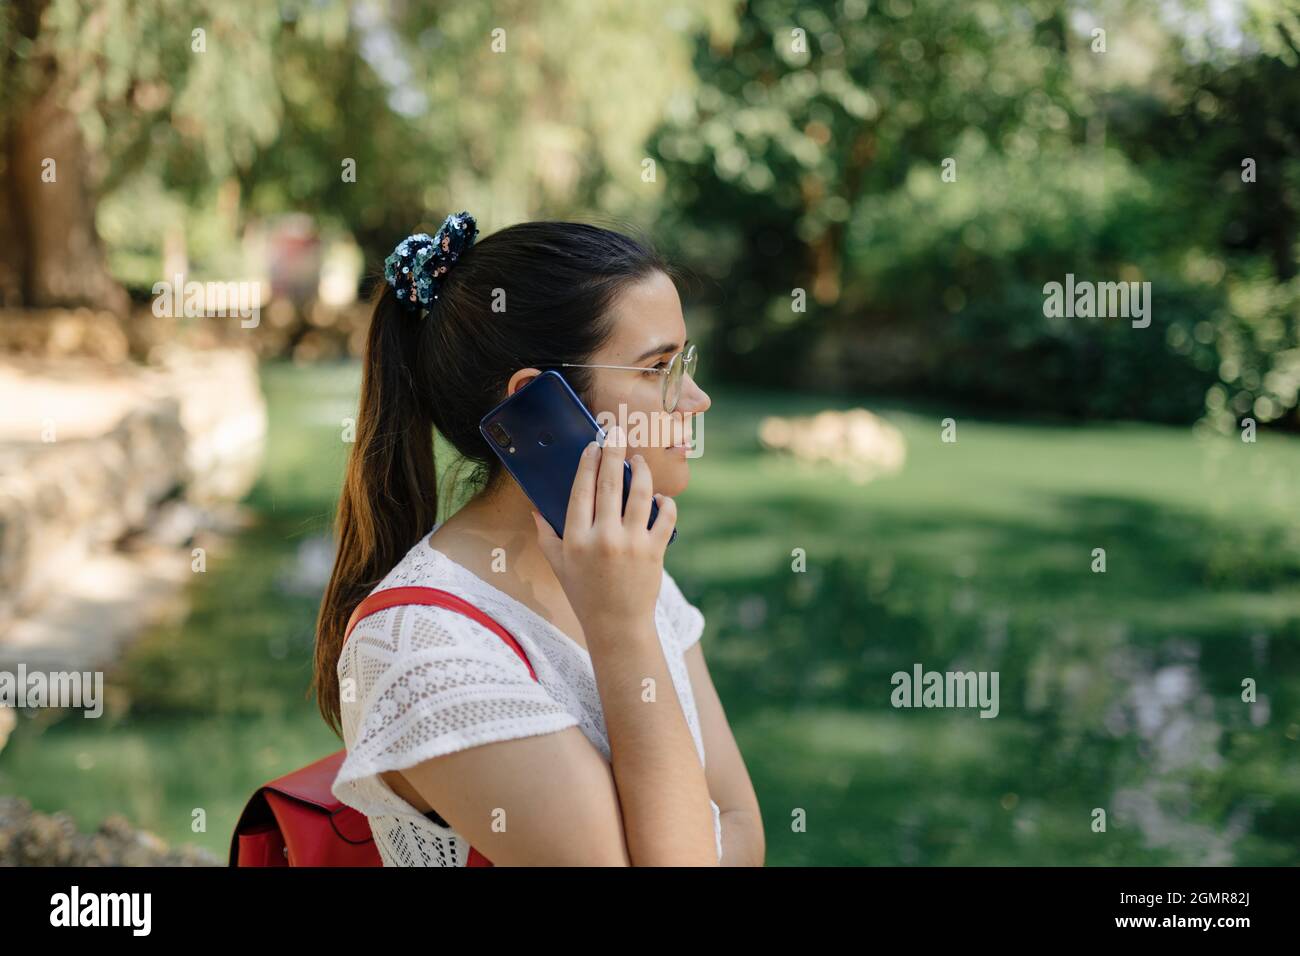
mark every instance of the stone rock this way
{"type": "Point", "coordinates": [863, 444]}
{"type": "Point", "coordinates": [31, 838]}
{"type": "Point", "coordinates": [107, 472]}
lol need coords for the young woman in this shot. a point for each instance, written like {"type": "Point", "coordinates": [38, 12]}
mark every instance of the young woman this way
{"type": "Point", "coordinates": [619, 752]}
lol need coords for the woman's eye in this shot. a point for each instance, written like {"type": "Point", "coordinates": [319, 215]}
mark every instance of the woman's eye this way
{"type": "Point", "coordinates": [656, 368]}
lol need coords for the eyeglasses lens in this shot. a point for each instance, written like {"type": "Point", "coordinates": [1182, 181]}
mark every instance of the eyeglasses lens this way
{"type": "Point", "coordinates": [682, 364]}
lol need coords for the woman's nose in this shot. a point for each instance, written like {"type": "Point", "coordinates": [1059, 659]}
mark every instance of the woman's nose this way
{"type": "Point", "coordinates": [693, 398]}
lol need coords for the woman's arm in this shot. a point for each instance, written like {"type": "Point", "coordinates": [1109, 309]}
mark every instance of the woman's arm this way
{"type": "Point", "coordinates": [743, 843]}
{"type": "Point", "coordinates": [544, 800]}
{"type": "Point", "coordinates": [553, 799]}
{"type": "Point", "coordinates": [661, 785]}
{"type": "Point", "coordinates": [742, 838]}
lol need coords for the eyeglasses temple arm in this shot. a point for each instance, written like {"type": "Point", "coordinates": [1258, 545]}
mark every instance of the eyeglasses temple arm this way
{"type": "Point", "coordinates": [630, 368]}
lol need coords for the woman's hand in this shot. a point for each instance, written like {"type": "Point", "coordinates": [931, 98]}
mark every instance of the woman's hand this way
{"type": "Point", "coordinates": [609, 564]}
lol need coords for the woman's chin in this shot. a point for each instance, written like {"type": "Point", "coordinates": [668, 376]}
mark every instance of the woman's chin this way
{"type": "Point", "coordinates": [673, 475]}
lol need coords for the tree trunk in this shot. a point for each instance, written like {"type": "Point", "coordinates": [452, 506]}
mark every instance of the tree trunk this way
{"type": "Point", "coordinates": [50, 254]}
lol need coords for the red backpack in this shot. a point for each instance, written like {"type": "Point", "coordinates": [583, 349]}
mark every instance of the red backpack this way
{"type": "Point", "coordinates": [296, 820]}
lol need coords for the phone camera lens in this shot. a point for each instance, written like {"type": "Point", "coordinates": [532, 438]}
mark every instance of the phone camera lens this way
{"type": "Point", "coordinates": [499, 434]}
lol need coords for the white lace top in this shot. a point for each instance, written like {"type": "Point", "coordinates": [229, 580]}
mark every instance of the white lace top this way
{"type": "Point", "coordinates": [428, 681]}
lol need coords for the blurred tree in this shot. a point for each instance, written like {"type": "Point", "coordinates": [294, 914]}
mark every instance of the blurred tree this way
{"type": "Point", "coordinates": [1226, 130]}
{"type": "Point", "coordinates": [93, 90]}
{"type": "Point", "coordinates": [507, 109]}
{"type": "Point", "coordinates": [881, 191]}
{"type": "Point", "coordinates": [378, 119]}
{"type": "Point", "coordinates": [817, 109]}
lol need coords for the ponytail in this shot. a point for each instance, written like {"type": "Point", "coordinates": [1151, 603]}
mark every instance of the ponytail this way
{"type": "Point", "coordinates": [389, 496]}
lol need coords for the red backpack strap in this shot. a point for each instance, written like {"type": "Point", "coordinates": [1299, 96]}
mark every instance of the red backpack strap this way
{"type": "Point", "coordinates": [393, 597]}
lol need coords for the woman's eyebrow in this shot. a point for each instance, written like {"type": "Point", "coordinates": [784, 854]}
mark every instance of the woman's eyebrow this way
{"type": "Point", "coordinates": [658, 350]}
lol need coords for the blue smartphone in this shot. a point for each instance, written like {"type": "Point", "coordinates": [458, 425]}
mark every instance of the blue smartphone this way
{"type": "Point", "coordinates": [539, 433]}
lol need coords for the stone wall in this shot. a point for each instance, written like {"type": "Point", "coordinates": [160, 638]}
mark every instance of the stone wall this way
{"type": "Point", "coordinates": [96, 454]}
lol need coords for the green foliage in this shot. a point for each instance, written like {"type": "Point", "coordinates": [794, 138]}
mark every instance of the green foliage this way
{"type": "Point", "coordinates": [148, 90]}
{"type": "Point", "coordinates": [819, 168]}
{"type": "Point", "coordinates": [502, 108]}
{"type": "Point", "coordinates": [799, 157]}
{"type": "Point", "coordinates": [818, 110]}
{"type": "Point", "coordinates": [963, 265]}
{"type": "Point", "coordinates": [1256, 338]}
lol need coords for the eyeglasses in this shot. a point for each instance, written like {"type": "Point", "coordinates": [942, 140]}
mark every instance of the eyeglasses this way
{"type": "Point", "coordinates": [679, 366]}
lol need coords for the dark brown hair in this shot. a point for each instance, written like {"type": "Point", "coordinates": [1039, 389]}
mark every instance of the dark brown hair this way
{"type": "Point", "coordinates": [532, 295]}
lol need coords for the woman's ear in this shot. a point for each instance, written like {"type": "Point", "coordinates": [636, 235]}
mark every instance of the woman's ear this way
{"type": "Point", "coordinates": [520, 379]}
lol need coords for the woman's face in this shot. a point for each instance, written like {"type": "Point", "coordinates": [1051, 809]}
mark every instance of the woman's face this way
{"type": "Point", "coordinates": [648, 331]}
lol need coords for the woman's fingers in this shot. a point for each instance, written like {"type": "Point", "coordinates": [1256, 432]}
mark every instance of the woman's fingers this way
{"type": "Point", "coordinates": [637, 515]}
{"type": "Point", "coordinates": [582, 497]}
{"type": "Point", "coordinates": [609, 481]}
{"type": "Point", "coordinates": [665, 521]}
{"type": "Point", "coordinates": [611, 567]}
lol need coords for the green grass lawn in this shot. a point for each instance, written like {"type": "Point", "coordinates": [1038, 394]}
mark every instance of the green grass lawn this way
{"type": "Point", "coordinates": [1119, 691]}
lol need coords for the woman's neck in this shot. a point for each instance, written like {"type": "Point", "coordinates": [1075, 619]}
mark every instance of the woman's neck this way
{"type": "Point", "coordinates": [493, 533]}
{"type": "Point", "coordinates": [495, 537]}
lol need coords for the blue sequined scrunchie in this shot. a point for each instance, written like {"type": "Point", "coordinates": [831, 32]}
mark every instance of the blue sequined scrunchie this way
{"type": "Point", "coordinates": [416, 267]}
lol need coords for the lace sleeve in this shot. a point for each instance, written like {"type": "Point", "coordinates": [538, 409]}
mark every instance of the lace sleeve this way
{"type": "Point", "coordinates": [685, 620]}
{"type": "Point", "coordinates": [418, 682]}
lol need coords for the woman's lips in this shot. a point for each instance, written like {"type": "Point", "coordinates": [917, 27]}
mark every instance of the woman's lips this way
{"type": "Point", "coordinates": [683, 442]}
